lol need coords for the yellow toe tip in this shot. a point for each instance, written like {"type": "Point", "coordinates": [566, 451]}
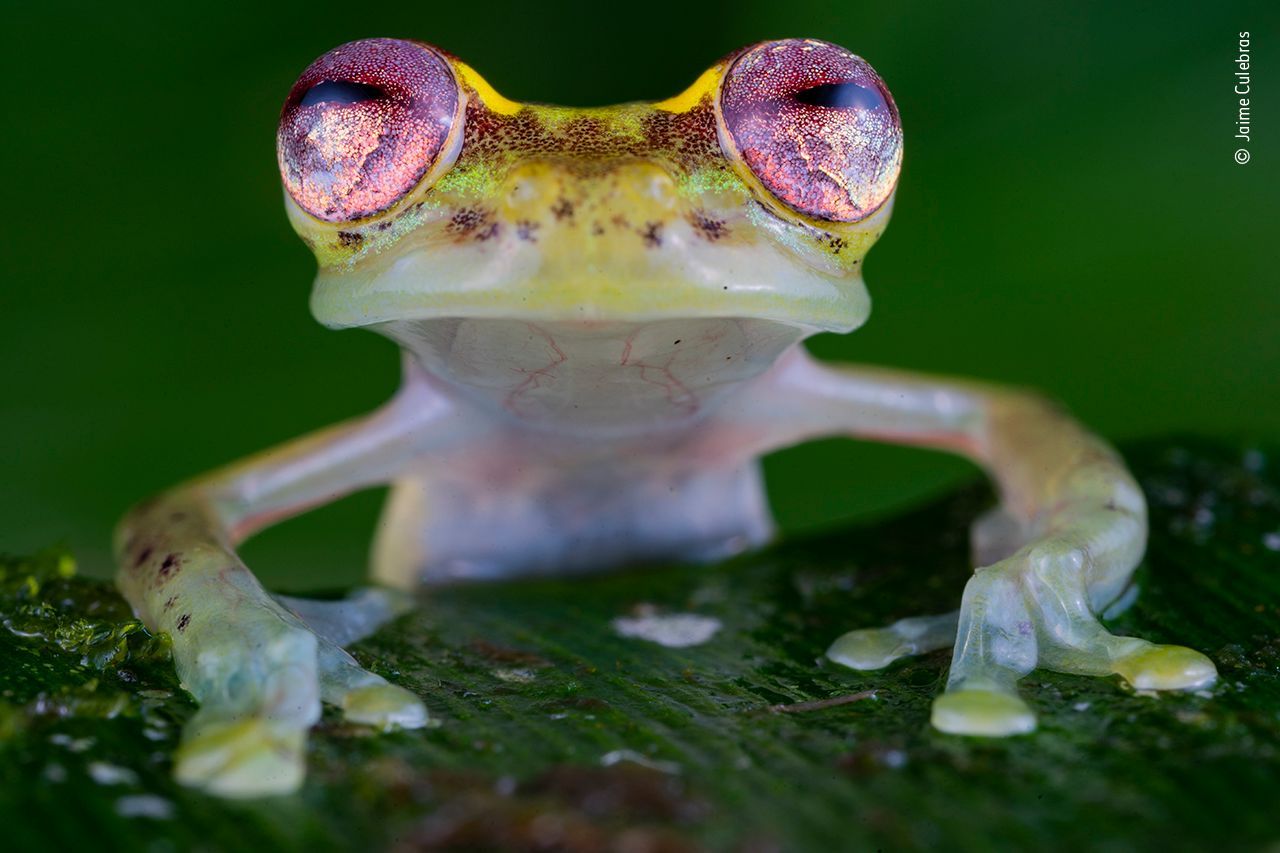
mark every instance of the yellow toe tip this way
{"type": "Point", "coordinates": [384, 706]}
{"type": "Point", "coordinates": [983, 713]}
{"type": "Point", "coordinates": [254, 757]}
{"type": "Point", "coordinates": [1168, 668]}
{"type": "Point", "coordinates": [865, 650]}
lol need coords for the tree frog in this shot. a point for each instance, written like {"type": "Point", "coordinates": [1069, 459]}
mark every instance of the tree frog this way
{"type": "Point", "coordinates": [600, 312]}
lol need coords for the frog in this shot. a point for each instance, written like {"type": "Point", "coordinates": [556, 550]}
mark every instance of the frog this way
{"type": "Point", "coordinates": [601, 315]}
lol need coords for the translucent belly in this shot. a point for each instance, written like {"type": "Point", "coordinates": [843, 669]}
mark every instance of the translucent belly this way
{"type": "Point", "coordinates": [442, 526]}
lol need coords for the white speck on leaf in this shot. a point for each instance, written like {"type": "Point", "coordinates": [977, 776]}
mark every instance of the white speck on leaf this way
{"type": "Point", "coordinates": [144, 805]}
{"type": "Point", "coordinates": [1271, 541]}
{"type": "Point", "coordinates": [673, 630]}
{"type": "Point", "coordinates": [109, 774]}
{"type": "Point", "coordinates": [72, 744]}
{"type": "Point", "coordinates": [611, 758]}
{"type": "Point", "coordinates": [894, 759]}
{"type": "Point", "coordinates": [517, 676]}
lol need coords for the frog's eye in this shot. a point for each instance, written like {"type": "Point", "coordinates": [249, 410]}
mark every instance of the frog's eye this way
{"type": "Point", "coordinates": [816, 125]}
{"type": "Point", "coordinates": [363, 125]}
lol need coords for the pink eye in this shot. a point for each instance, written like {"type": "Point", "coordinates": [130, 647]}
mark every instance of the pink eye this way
{"type": "Point", "coordinates": [816, 125]}
{"type": "Point", "coordinates": [362, 125]}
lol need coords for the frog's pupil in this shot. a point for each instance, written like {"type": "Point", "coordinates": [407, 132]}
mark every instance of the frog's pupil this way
{"type": "Point", "coordinates": [340, 92]}
{"type": "Point", "coordinates": [840, 96]}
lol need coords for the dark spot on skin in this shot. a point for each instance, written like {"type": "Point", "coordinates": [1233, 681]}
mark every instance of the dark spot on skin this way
{"type": "Point", "coordinates": [170, 601]}
{"type": "Point", "coordinates": [527, 231]}
{"type": "Point", "coordinates": [350, 239]}
{"type": "Point", "coordinates": [143, 556]}
{"type": "Point", "coordinates": [171, 564]}
{"type": "Point", "coordinates": [619, 221]}
{"type": "Point", "coordinates": [183, 621]}
{"type": "Point", "coordinates": [488, 232]}
{"type": "Point", "coordinates": [467, 220]}
{"type": "Point", "coordinates": [710, 228]}
{"type": "Point", "coordinates": [676, 343]}
{"type": "Point", "coordinates": [562, 209]}
{"type": "Point", "coordinates": [1110, 506]}
{"type": "Point", "coordinates": [384, 225]}
{"type": "Point", "coordinates": [597, 229]}
{"type": "Point", "coordinates": [652, 234]}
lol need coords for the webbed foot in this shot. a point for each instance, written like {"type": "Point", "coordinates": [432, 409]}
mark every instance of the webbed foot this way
{"type": "Point", "coordinates": [1031, 609]}
{"type": "Point", "coordinates": [261, 673]}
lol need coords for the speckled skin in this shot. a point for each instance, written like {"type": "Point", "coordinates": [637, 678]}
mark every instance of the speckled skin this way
{"type": "Point", "coordinates": [600, 311]}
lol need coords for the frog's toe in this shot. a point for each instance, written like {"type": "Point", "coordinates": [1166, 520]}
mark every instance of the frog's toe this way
{"type": "Point", "coordinates": [346, 620]}
{"type": "Point", "coordinates": [985, 713]}
{"type": "Point", "coordinates": [384, 706]}
{"type": "Point", "coordinates": [365, 697]}
{"type": "Point", "coordinates": [250, 757]}
{"type": "Point", "coordinates": [867, 649]}
{"type": "Point", "coordinates": [876, 648]}
{"type": "Point", "coordinates": [1167, 668]}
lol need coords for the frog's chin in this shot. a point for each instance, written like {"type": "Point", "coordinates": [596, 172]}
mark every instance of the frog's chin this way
{"type": "Point", "coordinates": [420, 286]}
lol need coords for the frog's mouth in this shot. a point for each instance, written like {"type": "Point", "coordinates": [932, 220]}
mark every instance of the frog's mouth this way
{"type": "Point", "coordinates": [688, 277]}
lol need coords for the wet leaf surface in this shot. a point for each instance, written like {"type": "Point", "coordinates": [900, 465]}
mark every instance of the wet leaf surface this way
{"type": "Point", "coordinates": [558, 733]}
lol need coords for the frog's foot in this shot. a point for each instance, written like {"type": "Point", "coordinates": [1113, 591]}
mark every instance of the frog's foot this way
{"type": "Point", "coordinates": [1031, 610]}
{"type": "Point", "coordinates": [260, 674]}
{"type": "Point", "coordinates": [364, 697]}
{"type": "Point", "coordinates": [1027, 611]}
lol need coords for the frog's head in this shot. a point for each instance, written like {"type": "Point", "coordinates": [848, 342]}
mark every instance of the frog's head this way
{"type": "Point", "coordinates": [754, 193]}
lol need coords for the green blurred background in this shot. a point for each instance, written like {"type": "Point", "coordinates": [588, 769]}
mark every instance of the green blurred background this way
{"type": "Point", "coordinates": [1070, 216]}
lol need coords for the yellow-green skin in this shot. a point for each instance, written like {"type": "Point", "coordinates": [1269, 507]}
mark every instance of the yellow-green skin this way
{"type": "Point", "coordinates": [601, 311]}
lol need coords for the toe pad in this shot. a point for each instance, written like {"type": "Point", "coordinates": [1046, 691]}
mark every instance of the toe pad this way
{"type": "Point", "coordinates": [384, 706]}
{"type": "Point", "coordinates": [1167, 668]}
{"type": "Point", "coordinates": [982, 712]}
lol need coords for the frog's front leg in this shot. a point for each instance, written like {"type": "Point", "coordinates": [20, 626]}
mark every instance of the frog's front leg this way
{"type": "Point", "coordinates": [1070, 529]}
{"type": "Point", "coordinates": [258, 666]}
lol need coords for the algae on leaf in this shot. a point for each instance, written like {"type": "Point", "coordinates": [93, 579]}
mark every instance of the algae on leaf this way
{"type": "Point", "coordinates": [558, 731]}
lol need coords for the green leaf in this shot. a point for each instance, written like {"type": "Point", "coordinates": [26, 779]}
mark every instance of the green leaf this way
{"type": "Point", "coordinates": [559, 732]}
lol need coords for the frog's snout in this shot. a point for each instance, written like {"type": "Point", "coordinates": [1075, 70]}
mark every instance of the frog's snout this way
{"type": "Point", "coordinates": [597, 195]}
